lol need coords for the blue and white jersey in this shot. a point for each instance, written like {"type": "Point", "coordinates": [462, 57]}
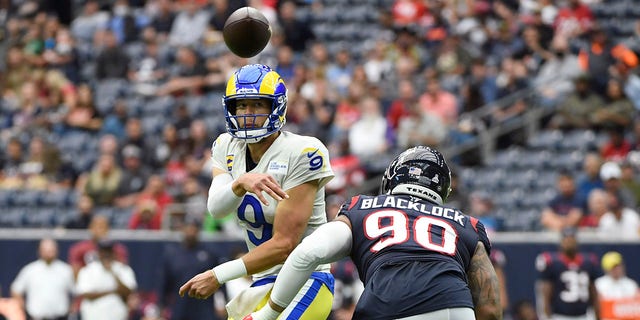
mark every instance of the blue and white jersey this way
{"type": "Point", "coordinates": [292, 160]}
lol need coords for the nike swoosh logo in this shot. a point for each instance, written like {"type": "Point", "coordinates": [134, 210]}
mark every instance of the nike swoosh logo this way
{"type": "Point", "coordinates": [311, 154]}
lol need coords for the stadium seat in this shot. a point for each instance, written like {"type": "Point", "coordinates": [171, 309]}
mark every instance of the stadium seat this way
{"type": "Point", "coordinates": [39, 217]}
{"type": "Point", "coordinates": [12, 217]}
{"type": "Point", "coordinates": [27, 198]}
{"type": "Point", "coordinates": [6, 198]}
{"type": "Point", "coordinates": [159, 106]}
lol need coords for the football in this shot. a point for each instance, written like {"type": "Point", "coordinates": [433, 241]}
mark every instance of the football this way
{"type": "Point", "coordinates": [246, 32]}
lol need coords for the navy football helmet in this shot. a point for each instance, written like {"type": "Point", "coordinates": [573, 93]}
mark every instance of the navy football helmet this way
{"type": "Point", "coordinates": [255, 81]}
{"type": "Point", "coordinates": [421, 172]}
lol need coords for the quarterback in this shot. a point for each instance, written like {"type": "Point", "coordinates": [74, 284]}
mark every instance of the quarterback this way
{"type": "Point", "coordinates": [273, 182]}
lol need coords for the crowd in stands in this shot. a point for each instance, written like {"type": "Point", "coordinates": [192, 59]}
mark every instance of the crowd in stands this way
{"type": "Point", "coordinates": [117, 102]}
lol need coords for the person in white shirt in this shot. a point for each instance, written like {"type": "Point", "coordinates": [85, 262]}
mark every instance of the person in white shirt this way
{"type": "Point", "coordinates": [105, 285]}
{"type": "Point", "coordinates": [615, 284]}
{"type": "Point", "coordinates": [619, 221]}
{"type": "Point", "coordinates": [44, 287]}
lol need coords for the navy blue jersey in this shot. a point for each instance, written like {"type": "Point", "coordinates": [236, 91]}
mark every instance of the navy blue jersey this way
{"type": "Point", "coordinates": [411, 254]}
{"type": "Point", "coordinates": [570, 279]}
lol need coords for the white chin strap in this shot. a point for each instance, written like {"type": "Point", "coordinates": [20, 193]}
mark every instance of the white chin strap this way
{"type": "Point", "coordinates": [248, 135]}
{"type": "Point", "coordinates": [417, 191]}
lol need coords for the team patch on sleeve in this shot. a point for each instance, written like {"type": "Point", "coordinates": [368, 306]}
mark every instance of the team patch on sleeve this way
{"type": "Point", "coordinates": [315, 157]}
{"type": "Point", "coordinates": [230, 162]}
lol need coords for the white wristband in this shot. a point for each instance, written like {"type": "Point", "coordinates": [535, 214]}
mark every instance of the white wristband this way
{"type": "Point", "coordinates": [230, 270]}
{"type": "Point", "coordinates": [267, 313]}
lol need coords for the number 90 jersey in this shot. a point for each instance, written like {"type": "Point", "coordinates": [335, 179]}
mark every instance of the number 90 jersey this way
{"type": "Point", "coordinates": [411, 254]}
{"type": "Point", "coordinates": [292, 160]}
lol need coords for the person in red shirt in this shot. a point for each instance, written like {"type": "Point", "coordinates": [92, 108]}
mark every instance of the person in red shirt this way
{"type": "Point", "coordinates": [407, 12]}
{"type": "Point", "coordinates": [85, 251]}
{"type": "Point", "coordinates": [573, 20]}
{"type": "Point", "coordinates": [617, 147]}
{"type": "Point", "coordinates": [400, 107]}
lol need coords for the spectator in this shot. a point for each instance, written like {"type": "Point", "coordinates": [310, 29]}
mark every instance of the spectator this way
{"type": "Point", "coordinates": [83, 252]}
{"type": "Point", "coordinates": [615, 284]}
{"type": "Point", "coordinates": [439, 102]}
{"type": "Point", "coordinates": [44, 287]}
{"type": "Point", "coordinates": [617, 147]}
{"type": "Point", "coordinates": [339, 73]}
{"type": "Point", "coordinates": [629, 179]}
{"type": "Point", "coordinates": [400, 106]}
{"type": "Point", "coordinates": [64, 56]}
{"type": "Point", "coordinates": [481, 207]}
{"type": "Point", "coordinates": [134, 135]}
{"type": "Point", "coordinates": [620, 222]}
{"type": "Point", "coordinates": [179, 262]}
{"type": "Point", "coordinates": [103, 181]}
{"type": "Point", "coordinates": [554, 80]}
{"type": "Point", "coordinates": [105, 285]}
{"type": "Point", "coordinates": [155, 198]}
{"type": "Point", "coordinates": [112, 62]}
{"type": "Point", "coordinates": [33, 169]}
{"type": "Point", "coordinates": [603, 59]}
{"type": "Point", "coordinates": [147, 216]}
{"type": "Point", "coordinates": [189, 25]}
{"type": "Point", "coordinates": [11, 162]}
{"type": "Point", "coordinates": [162, 22]}
{"type": "Point", "coordinates": [188, 76]}
{"type": "Point", "coordinates": [125, 23]}
{"type": "Point", "coordinates": [566, 208]}
{"type": "Point", "coordinates": [418, 127]}
{"type": "Point", "coordinates": [589, 178]}
{"type": "Point", "coordinates": [618, 111]}
{"type": "Point", "coordinates": [83, 216]}
{"type": "Point", "coordinates": [554, 268]}
{"type": "Point", "coordinates": [407, 12]}
{"type": "Point", "coordinates": [115, 121]}
{"type": "Point", "coordinates": [573, 20]}
{"type": "Point", "coordinates": [134, 177]}
{"type": "Point", "coordinates": [222, 9]}
{"type": "Point", "coordinates": [368, 135]}
{"type": "Point", "coordinates": [481, 86]}
{"type": "Point", "coordinates": [297, 32]}
{"type": "Point", "coordinates": [597, 206]}
{"type": "Point", "coordinates": [83, 115]}
{"type": "Point", "coordinates": [91, 19]}
{"type": "Point", "coordinates": [576, 110]}
{"type": "Point", "coordinates": [148, 71]}
{"type": "Point", "coordinates": [611, 175]}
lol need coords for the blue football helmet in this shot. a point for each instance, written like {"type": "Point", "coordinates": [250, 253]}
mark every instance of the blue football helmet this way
{"type": "Point", "coordinates": [420, 172]}
{"type": "Point", "coordinates": [255, 81]}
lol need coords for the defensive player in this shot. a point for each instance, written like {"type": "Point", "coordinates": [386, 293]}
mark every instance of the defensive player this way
{"type": "Point", "coordinates": [566, 287]}
{"type": "Point", "coordinates": [273, 181]}
{"type": "Point", "coordinates": [417, 258]}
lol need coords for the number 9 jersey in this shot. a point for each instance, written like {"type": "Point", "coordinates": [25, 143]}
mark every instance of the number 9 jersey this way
{"type": "Point", "coordinates": [412, 254]}
{"type": "Point", "coordinates": [292, 160]}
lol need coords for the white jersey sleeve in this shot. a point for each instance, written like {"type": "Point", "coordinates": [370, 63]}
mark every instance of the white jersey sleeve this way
{"type": "Point", "coordinates": [219, 152]}
{"type": "Point", "coordinates": [309, 161]}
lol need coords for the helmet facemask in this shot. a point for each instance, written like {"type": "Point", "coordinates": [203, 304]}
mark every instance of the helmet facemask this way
{"type": "Point", "coordinates": [273, 123]}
